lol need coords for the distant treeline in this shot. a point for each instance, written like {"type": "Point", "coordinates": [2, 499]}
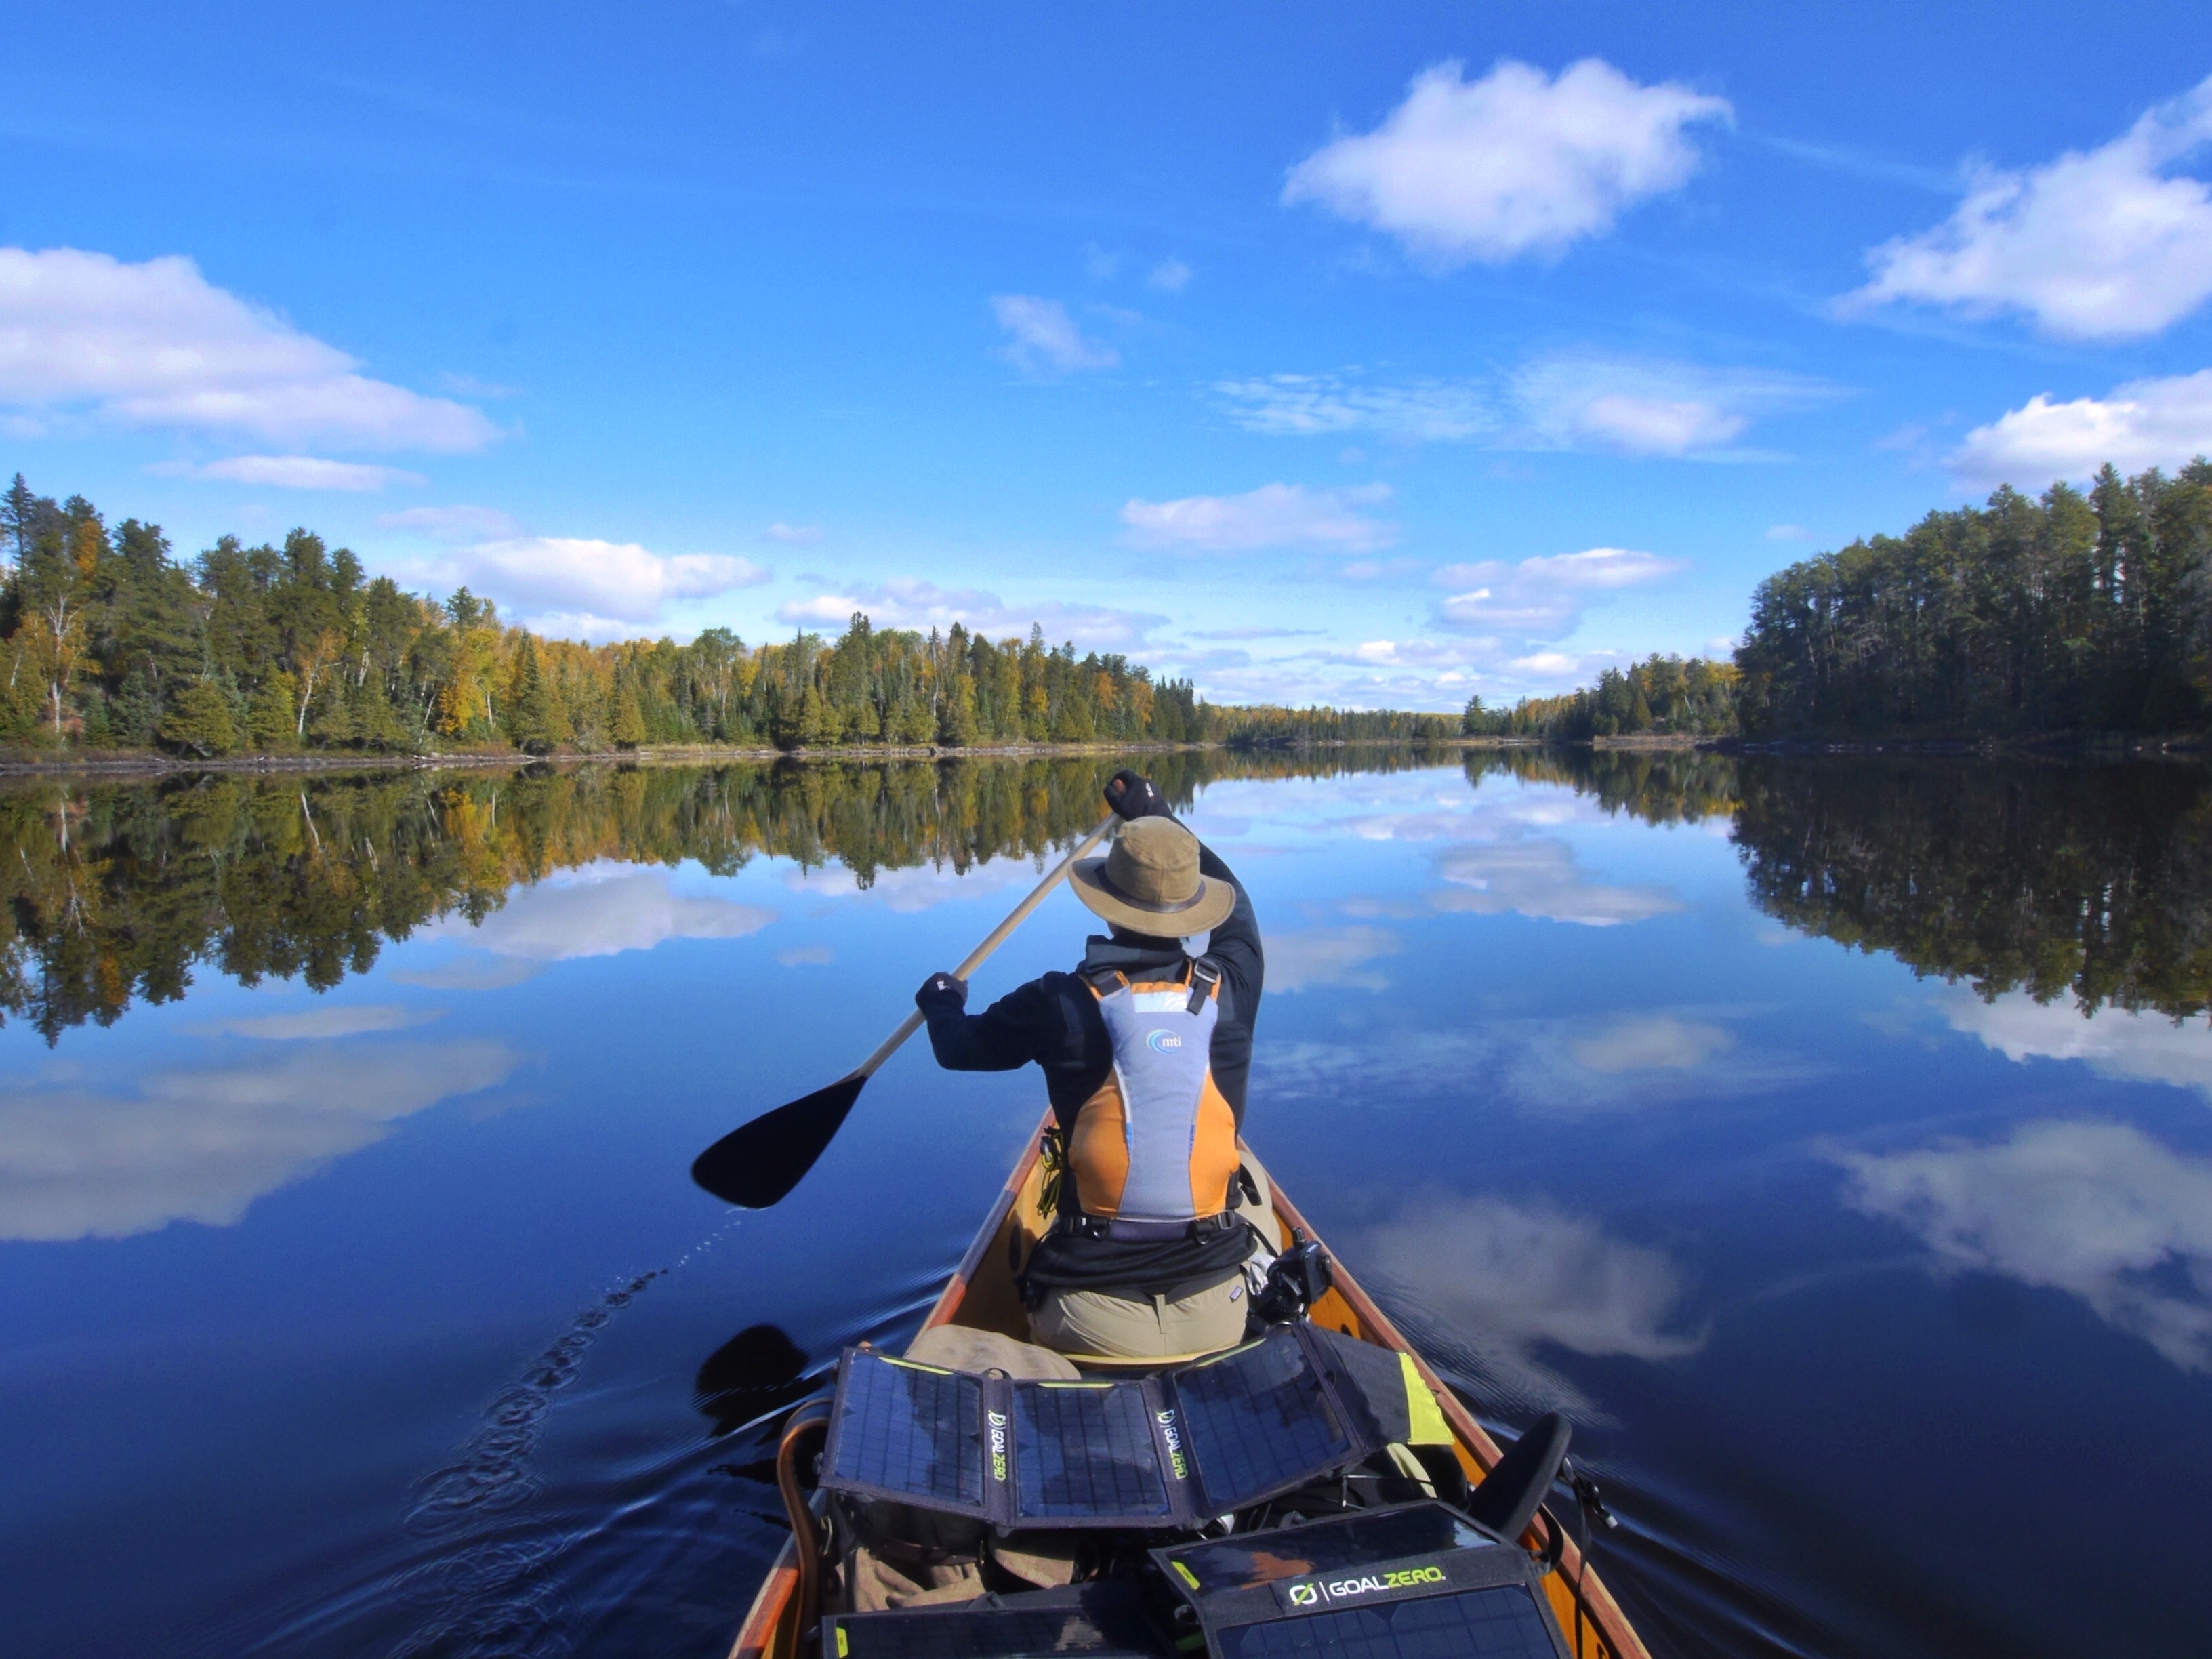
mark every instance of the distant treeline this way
{"type": "Point", "coordinates": [108, 642]}
{"type": "Point", "coordinates": [2072, 613]}
{"type": "Point", "coordinates": [1660, 696]}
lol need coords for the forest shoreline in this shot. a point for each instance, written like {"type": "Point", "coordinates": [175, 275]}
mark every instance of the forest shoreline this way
{"type": "Point", "coordinates": [148, 764]}
{"type": "Point", "coordinates": [130, 765]}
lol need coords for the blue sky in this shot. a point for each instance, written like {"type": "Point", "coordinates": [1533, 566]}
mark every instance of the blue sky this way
{"type": "Point", "coordinates": [1381, 355]}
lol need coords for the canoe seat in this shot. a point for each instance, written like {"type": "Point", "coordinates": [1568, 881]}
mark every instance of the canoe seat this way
{"type": "Point", "coordinates": [1509, 1495]}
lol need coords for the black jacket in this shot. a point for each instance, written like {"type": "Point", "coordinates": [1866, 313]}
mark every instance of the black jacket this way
{"type": "Point", "coordinates": [1054, 1020]}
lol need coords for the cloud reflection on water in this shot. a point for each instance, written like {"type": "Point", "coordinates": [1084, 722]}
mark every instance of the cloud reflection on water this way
{"type": "Point", "coordinates": [201, 1143]}
{"type": "Point", "coordinates": [916, 887]}
{"type": "Point", "coordinates": [1540, 877]}
{"type": "Point", "coordinates": [2098, 1210]}
{"type": "Point", "coordinates": [1502, 852]}
{"type": "Point", "coordinates": [354, 1019]}
{"type": "Point", "coordinates": [1304, 958]}
{"type": "Point", "coordinates": [1508, 1277]}
{"type": "Point", "coordinates": [1604, 1063]}
{"type": "Point", "coordinates": [602, 910]}
{"type": "Point", "coordinates": [2115, 1043]}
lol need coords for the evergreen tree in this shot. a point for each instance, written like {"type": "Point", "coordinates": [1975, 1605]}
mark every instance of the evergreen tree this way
{"type": "Point", "coordinates": [956, 713]}
{"type": "Point", "coordinates": [629, 723]}
{"type": "Point", "coordinates": [529, 705]}
{"type": "Point", "coordinates": [199, 720]}
{"type": "Point", "coordinates": [268, 713]}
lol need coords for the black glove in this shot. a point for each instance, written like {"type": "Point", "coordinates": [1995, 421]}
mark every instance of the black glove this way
{"type": "Point", "coordinates": [1132, 796]}
{"type": "Point", "coordinates": [942, 994]}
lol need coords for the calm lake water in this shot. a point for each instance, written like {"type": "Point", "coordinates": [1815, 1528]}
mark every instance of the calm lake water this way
{"type": "Point", "coordinates": [1831, 1139]}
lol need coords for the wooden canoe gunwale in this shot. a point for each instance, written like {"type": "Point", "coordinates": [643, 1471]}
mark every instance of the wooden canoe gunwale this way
{"type": "Point", "coordinates": [1602, 1631]}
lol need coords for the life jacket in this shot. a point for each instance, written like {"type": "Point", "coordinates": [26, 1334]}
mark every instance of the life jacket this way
{"type": "Point", "coordinates": [1154, 1148]}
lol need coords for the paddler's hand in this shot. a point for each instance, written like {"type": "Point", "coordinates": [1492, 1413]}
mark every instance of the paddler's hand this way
{"type": "Point", "coordinates": [941, 993]}
{"type": "Point", "coordinates": [1133, 796]}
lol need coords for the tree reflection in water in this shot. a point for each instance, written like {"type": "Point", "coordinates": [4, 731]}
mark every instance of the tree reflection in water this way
{"type": "Point", "coordinates": [2087, 878]}
{"type": "Point", "coordinates": [115, 892]}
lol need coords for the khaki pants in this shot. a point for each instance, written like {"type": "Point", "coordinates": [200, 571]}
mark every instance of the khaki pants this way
{"type": "Point", "coordinates": [1198, 1316]}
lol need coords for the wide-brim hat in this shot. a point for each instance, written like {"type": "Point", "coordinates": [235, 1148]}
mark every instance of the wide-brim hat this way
{"type": "Point", "coordinates": [1149, 883]}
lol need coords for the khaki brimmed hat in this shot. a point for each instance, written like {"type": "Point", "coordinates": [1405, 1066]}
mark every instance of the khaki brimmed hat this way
{"type": "Point", "coordinates": [1149, 883]}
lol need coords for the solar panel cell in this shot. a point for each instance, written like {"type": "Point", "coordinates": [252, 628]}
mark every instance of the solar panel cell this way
{"type": "Point", "coordinates": [1259, 1423]}
{"type": "Point", "coordinates": [1084, 1450]}
{"type": "Point", "coordinates": [911, 1428]}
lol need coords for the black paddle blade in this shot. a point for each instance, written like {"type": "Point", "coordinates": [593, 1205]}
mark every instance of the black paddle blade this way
{"type": "Point", "coordinates": [754, 1166]}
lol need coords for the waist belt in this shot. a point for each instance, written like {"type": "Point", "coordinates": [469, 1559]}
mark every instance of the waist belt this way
{"type": "Point", "coordinates": [1124, 1231]}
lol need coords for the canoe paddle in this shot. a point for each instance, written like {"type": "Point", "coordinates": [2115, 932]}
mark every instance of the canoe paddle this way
{"type": "Point", "coordinates": [756, 1165]}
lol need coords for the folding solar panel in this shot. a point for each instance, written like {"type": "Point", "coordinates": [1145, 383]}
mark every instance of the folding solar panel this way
{"type": "Point", "coordinates": [1084, 1448]}
{"type": "Point", "coordinates": [1415, 1582]}
{"type": "Point", "coordinates": [906, 1430]}
{"type": "Point", "coordinates": [1172, 1450]}
{"type": "Point", "coordinates": [1260, 1422]}
{"type": "Point", "coordinates": [1485, 1624]}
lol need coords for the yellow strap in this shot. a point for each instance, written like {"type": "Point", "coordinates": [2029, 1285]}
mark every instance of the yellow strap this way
{"type": "Point", "coordinates": [1427, 1418]}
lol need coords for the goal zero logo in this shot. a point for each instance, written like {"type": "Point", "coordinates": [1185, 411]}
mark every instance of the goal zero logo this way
{"type": "Point", "coordinates": [1324, 1592]}
{"type": "Point", "coordinates": [997, 1421]}
{"type": "Point", "coordinates": [1173, 1436]}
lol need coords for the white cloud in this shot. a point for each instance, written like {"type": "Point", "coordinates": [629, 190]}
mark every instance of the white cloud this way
{"type": "Point", "coordinates": [601, 910]}
{"type": "Point", "coordinates": [1306, 405]}
{"type": "Point", "coordinates": [1508, 1277]}
{"type": "Point", "coordinates": [1646, 407]}
{"type": "Point", "coordinates": [2144, 423]}
{"type": "Point", "coordinates": [457, 523]}
{"type": "Point", "coordinates": [295, 472]}
{"type": "Point", "coordinates": [2103, 244]}
{"type": "Point", "coordinates": [807, 956]}
{"type": "Point", "coordinates": [2099, 1211]}
{"type": "Point", "coordinates": [1543, 598]}
{"type": "Point", "coordinates": [1514, 163]}
{"type": "Point", "coordinates": [1788, 532]}
{"type": "Point", "coordinates": [1169, 275]}
{"type": "Point", "coordinates": [1577, 400]}
{"type": "Point", "coordinates": [909, 602]}
{"type": "Point", "coordinates": [1274, 515]}
{"type": "Point", "coordinates": [797, 535]}
{"type": "Point", "coordinates": [2115, 1042]}
{"type": "Point", "coordinates": [1414, 653]}
{"type": "Point", "coordinates": [202, 1143]}
{"type": "Point", "coordinates": [155, 344]}
{"type": "Point", "coordinates": [621, 581]}
{"type": "Point", "coordinates": [1306, 958]}
{"type": "Point", "coordinates": [589, 628]}
{"type": "Point", "coordinates": [1041, 338]}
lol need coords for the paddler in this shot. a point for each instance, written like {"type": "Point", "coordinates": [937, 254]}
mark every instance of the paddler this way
{"type": "Point", "coordinates": [1145, 1049]}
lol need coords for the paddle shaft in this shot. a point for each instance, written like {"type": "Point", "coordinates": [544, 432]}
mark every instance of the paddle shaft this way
{"type": "Point", "coordinates": [997, 937]}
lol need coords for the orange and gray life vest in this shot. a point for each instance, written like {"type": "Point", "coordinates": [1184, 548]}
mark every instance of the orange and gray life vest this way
{"type": "Point", "coordinates": [1154, 1148]}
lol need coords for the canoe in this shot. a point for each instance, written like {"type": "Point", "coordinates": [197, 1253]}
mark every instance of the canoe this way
{"type": "Point", "coordinates": [981, 1295]}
